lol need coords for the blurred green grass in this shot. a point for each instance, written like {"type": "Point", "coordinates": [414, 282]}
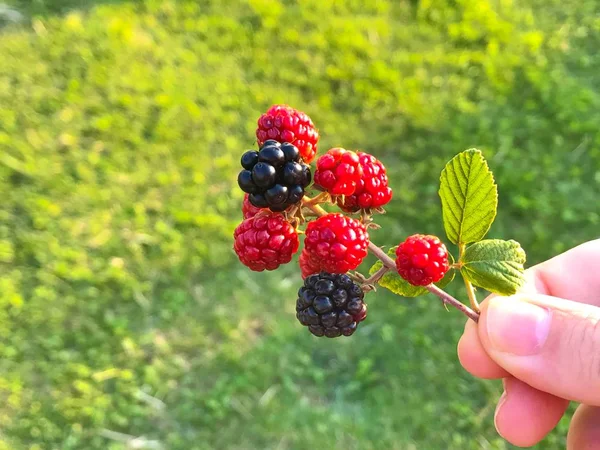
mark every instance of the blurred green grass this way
{"type": "Point", "coordinates": [122, 308]}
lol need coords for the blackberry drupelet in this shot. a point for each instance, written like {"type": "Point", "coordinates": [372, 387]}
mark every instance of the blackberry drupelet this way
{"type": "Point", "coordinates": [275, 176]}
{"type": "Point", "coordinates": [330, 305]}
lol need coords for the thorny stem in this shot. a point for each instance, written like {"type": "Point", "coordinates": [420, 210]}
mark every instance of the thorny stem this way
{"type": "Point", "coordinates": [390, 264]}
{"type": "Point", "coordinates": [468, 285]}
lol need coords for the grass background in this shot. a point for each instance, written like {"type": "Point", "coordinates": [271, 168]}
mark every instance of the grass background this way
{"type": "Point", "coordinates": [122, 307]}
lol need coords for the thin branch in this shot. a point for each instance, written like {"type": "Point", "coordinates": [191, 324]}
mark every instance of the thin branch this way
{"type": "Point", "coordinates": [382, 256]}
{"type": "Point", "coordinates": [307, 202]}
{"type": "Point", "coordinates": [374, 279]}
{"type": "Point", "coordinates": [449, 300]}
{"type": "Point", "coordinates": [319, 198]}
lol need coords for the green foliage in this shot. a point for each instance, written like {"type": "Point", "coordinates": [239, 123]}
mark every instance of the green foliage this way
{"type": "Point", "coordinates": [469, 197]}
{"type": "Point", "coordinates": [494, 265]}
{"type": "Point", "coordinates": [399, 286]}
{"type": "Point", "coordinates": [121, 305]}
{"type": "Point", "coordinates": [469, 205]}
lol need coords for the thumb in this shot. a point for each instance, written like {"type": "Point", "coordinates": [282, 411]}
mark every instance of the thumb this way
{"type": "Point", "coordinates": [549, 343]}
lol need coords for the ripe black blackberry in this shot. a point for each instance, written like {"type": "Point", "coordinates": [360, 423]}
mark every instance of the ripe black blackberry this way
{"type": "Point", "coordinates": [275, 176]}
{"type": "Point", "coordinates": [330, 305]}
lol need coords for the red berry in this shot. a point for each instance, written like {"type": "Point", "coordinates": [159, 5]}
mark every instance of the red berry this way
{"type": "Point", "coordinates": [248, 209]}
{"type": "Point", "coordinates": [336, 243]}
{"type": "Point", "coordinates": [422, 260]}
{"type": "Point", "coordinates": [338, 171]}
{"type": "Point", "coordinates": [372, 190]}
{"type": "Point", "coordinates": [286, 124]}
{"type": "Point", "coordinates": [307, 266]}
{"type": "Point", "coordinates": [265, 242]}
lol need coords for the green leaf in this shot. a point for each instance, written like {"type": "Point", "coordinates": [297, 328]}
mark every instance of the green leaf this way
{"type": "Point", "coordinates": [469, 197]}
{"type": "Point", "coordinates": [494, 265]}
{"type": "Point", "coordinates": [400, 286]}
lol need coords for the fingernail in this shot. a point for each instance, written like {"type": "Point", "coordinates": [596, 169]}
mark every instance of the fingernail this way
{"type": "Point", "coordinates": [517, 327]}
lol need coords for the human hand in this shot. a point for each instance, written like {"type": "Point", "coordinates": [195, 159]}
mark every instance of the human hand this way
{"type": "Point", "coordinates": [545, 344]}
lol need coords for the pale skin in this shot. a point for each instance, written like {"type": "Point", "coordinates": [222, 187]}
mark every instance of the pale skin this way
{"type": "Point", "coordinates": [544, 343]}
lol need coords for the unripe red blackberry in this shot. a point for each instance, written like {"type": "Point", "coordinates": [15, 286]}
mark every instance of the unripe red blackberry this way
{"type": "Point", "coordinates": [264, 242]}
{"type": "Point", "coordinates": [372, 190]}
{"type": "Point", "coordinates": [338, 171]}
{"type": "Point", "coordinates": [422, 260]}
{"type": "Point", "coordinates": [336, 243]}
{"type": "Point", "coordinates": [330, 305]}
{"type": "Point", "coordinates": [283, 123]}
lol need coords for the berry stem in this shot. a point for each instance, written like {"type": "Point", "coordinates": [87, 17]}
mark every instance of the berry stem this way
{"type": "Point", "coordinates": [471, 294]}
{"type": "Point", "coordinates": [468, 285]}
{"type": "Point", "coordinates": [449, 300]}
{"type": "Point", "coordinates": [374, 279]}
{"type": "Point", "coordinates": [319, 198]}
{"type": "Point", "coordinates": [390, 264]}
{"type": "Point", "coordinates": [307, 202]}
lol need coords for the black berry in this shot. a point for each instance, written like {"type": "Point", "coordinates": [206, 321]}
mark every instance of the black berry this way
{"type": "Point", "coordinates": [330, 305]}
{"type": "Point", "coordinates": [275, 176]}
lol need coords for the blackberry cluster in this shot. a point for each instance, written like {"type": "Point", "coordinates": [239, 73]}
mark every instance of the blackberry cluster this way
{"type": "Point", "coordinates": [275, 176]}
{"type": "Point", "coordinates": [330, 305]}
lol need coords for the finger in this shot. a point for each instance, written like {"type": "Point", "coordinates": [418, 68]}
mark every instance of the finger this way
{"type": "Point", "coordinates": [525, 415]}
{"type": "Point", "coordinates": [584, 432]}
{"type": "Point", "coordinates": [549, 343]}
{"type": "Point", "coordinates": [574, 275]}
{"type": "Point", "coordinates": [474, 358]}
